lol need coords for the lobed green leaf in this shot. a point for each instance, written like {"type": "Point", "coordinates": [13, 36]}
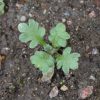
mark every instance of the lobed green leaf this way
{"type": "Point", "coordinates": [1, 7]}
{"type": "Point", "coordinates": [32, 33]}
{"type": "Point", "coordinates": [58, 35]}
{"type": "Point", "coordinates": [42, 60]}
{"type": "Point", "coordinates": [67, 60]}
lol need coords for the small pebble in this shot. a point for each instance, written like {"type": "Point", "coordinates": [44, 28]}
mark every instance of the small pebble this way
{"type": "Point", "coordinates": [18, 6]}
{"type": "Point", "coordinates": [63, 20]}
{"type": "Point", "coordinates": [33, 7]}
{"type": "Point", "coordinates": [92, 14]}
{"type": "Point", "coordinates": [92, 78]}
{"type": "Point", "coordinates": [64, 88]}
{"type": "Point", "coordinates": [28, 78]}
{"type": "Point", "coordinates": [47, 76]}
{"type": "Point", "coordinates": [36, 89]}
{"type": "Point", "coordinates": [81, 1]}
{"type": "Point", "coordinates": [23, 18]}
{"type": "Point", "coordinates": [54, 92]}
{"type": "Point", "coordinates": [18, 68]}
{"type": "Point", "coordinates": [85, 92]}
{"type": "Point", "coordinates": [69, 22]}
{"type": "Point", "coordinates": [5, 50]}
{"type": "Point", "coordinates": [67, 14]}
{"type": "Point", "coordinates": [44, 12]}
{"type": "Point", "coordinates": [30, 15]}
{"type": "Point", "coordinates": [95, 51]}
{"type": "Point", "coordinates": [24, 74]}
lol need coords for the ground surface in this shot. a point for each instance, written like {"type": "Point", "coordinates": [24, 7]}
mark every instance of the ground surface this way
{"type": "Point", "coordinates": [19, 79]}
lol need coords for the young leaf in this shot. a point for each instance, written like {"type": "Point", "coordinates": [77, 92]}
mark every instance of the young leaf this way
{"type": "Point", "coordinates": [49, 49]}
{"type": "Point", "coordinates": [67, 60]}
{"type": "Point", "coordinates": [58, 35]}
{"type": "Point", "coordinates": [1, 7]}
{"type": "Point", "coordinates": [42, 60]}
{"type": "Point", "coordinates": [32, 33]}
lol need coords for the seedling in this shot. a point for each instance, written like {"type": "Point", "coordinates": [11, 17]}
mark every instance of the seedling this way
{"type": "Point", "coordinates": [46, 59]}
{"type": "Point", "coordinates": [1, 7]}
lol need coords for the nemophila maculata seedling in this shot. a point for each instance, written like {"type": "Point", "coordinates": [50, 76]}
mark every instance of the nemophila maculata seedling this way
{"type": "Point", "coordinates": [46, 59]}
{"type": "Point", "coordinates": [1, 7]}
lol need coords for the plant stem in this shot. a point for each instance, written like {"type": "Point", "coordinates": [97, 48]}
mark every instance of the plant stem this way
{"type": "Point", "coordinates": [42, 42]}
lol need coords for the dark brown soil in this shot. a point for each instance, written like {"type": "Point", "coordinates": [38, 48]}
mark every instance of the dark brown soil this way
{"type": "Point", "coordinates": [19, 79]}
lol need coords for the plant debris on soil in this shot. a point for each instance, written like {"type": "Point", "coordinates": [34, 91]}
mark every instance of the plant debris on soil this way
{"type": "Point", "coordinates": [19, 80]}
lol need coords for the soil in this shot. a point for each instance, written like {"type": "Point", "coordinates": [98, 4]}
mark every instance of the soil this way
{"type": "Point", "coordinates": [19, 79]}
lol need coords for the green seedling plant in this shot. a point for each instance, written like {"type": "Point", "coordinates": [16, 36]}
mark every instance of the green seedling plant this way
{"type": "Point", "coordinates": [1, 7]}
{"type": "Point", "coordinates": [46, 59]}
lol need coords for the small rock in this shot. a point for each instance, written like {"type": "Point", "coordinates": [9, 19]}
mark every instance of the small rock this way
{"type": "Point", "coordinates": [87, 48]}
{"type": "Point", "coordinates": [23, 18]}
{"type": "Point", "coordinates": [5, 50]}
{"type": "Point", "coordinates": [47, 76]}
{"type": "Point", "coordinates": [63, 20]}
{"type": "Point", "coordinates": [24, 74]}
{"type": "Point", "coordinates": [95, 51]}
{"type": "Point", "coordinates": [85, 92]}
{"type": "Point", "coordinates": [33, 7]}
{"type": "Point", "coordinates": [28, 78]}
{"type": "Point", "coordinates": [36, 89]}
{"type": "Point", "coordinates": [67, 14]}
{"type": "Point", "coordinates": [69, 22]}
{"type": "Point", "coordinates": [54, 92]}
{"type": "Point", "coordinates": [92, 14]}
{"type": "Point", "coordinates": [81, 1]}
{"type": "Point", "coordinates": [18, 6]}
{"type": "Point", "coordinates": [30, 15]}
{"type": "Point", "coordinates": [64, 88]}
{"type": "Point", "coordinates": [44, 12]}
{"type": "Point", "coordinates": [92, 78]}
{"type": "Point", "coordinates": [18, 68]}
